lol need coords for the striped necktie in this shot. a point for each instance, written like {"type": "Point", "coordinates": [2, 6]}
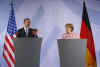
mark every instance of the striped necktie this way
{"type": "Point", "coordinates": [27, 32]}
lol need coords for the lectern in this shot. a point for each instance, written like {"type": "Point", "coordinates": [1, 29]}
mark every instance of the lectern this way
{"type": "Point", "coordinates": [72, 52]}
{"type": "Point", "coordinates": [27, 52]}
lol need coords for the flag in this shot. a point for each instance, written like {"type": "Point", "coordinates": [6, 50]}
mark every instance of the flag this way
{"type": "Point", "coordinates": [86, 33]}
{"type": "Point", "coordinates": [9, 50]}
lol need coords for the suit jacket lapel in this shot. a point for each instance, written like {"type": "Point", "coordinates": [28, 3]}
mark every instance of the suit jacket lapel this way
{"type": "Point", "coordinates": [24, 33]}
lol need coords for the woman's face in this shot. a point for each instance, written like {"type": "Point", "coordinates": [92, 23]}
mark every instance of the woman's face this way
{"type": "Point", "coordinates": [68, 30]}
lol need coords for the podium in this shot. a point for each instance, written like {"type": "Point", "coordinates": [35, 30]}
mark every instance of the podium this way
{"type": "Point", "coordinates": [72, 52]}
{"type": "Point", "coordinates": [27, 52]}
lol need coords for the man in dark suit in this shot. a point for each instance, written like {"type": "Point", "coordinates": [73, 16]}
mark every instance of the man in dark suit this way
{"type": "Point", "coordinates": [26, 31]}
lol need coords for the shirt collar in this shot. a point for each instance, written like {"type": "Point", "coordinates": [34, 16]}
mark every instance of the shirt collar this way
{"type": "Point", "coordinates": [25, 28]}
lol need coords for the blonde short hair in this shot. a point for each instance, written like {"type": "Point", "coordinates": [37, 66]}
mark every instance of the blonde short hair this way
{"type": "Point", "coordinates": [70, 26]}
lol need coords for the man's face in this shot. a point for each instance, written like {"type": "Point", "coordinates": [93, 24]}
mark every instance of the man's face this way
{"type": "Point", "coordinates": [68, 30]}
{"type": "Point", "coordinates": [35, 32]}
{"type": "Point", "coordinates": [27, 23]}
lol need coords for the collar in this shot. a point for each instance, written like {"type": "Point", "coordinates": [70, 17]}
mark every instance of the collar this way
{"type": "Point", "coordinates": [25, 28]}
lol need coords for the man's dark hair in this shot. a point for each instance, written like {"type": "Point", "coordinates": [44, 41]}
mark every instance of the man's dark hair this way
{"type": "Point", "coordinates": [35, 30]}
{"type": "Point", "coordinates": [26, 19]}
